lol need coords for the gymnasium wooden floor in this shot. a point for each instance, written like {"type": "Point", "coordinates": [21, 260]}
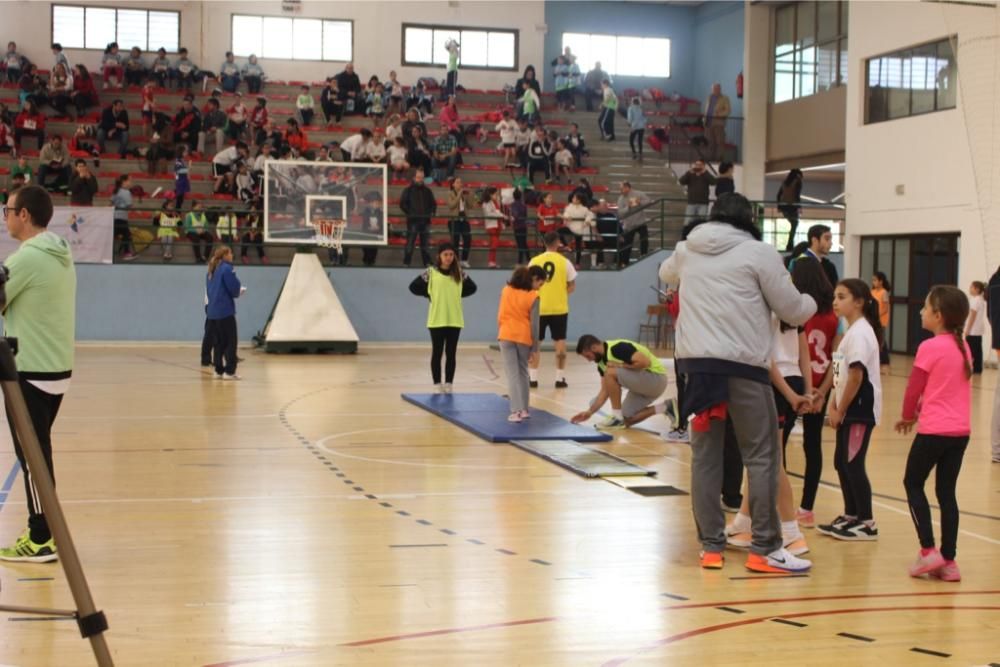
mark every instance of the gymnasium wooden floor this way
{"type": "Point", "coordinates": [308, 516]}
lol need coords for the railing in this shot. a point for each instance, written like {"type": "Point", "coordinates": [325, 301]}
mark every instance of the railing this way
{"type": "Point", "coordinates": [688, 140]}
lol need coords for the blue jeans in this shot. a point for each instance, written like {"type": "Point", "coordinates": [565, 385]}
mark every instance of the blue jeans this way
{"type": "Point", "coordinates": [230, 82]}
{"type": "Point", "coordinates": [121, 135]}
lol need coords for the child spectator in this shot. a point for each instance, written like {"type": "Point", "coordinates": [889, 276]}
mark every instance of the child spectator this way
{"type": "Point", "coordinates": [60, 57]}
{"type": "Point", "coordinates": [637, 127]}
{"type": "Point", "coordinates": [135, 68]}
{"type": "Point", "coordinates": [548, 215]}
{"type": "Point", "coordinates": [253, 236]}
{"type": "Point", "coordinates": [296, 138]}
{"type": "Point", "coordinates": [939, 401]}
{"type": "Point", "coordinates": [519, 221]}
{"type": "Point", "coordinates": [253, 74]}
{"type": "Point", "coordinates": [226, 226]}
{"type": "Point", "coordinates": [213, 123]}
{"type": "Point", "coordinates": [564, 161]}
{"type": "Point", "coordinates": [609, 107]}
{"type": "Point", "coordinates": [530, 104]}
{"type": "Point", "coordinates": [522, 138]}
{"type": "Point", "coordinates": [7, 138]}
{"type": "Point", "coordinates": [182, 169]}
{"type": "Point", "coordinates": [226, 160]}
{"type": "Point", "coordinates": [539, 150]}
{"type": "Point", "coordinates": [574, 142]}
{"type": "Point", "coordinates": [397, 157]}
{"type": "Point", "coordinates": [581, 224]}
{"type": "Point", "coordinates": [82, 185]}
{"type": "Point", "coordinates": [60, 89]}
{"type": "Point", "coordinates": [508, 129]}
{"type": "Point", "coordinates": [393, 130]}
{"type": "Point", "coordinates": [372, 224]}
{"type": "Point", "coordinates": [493, 220]}
{"type": "Point", "coordinates": [197, 232]}
{"type": "Point", "coordinates": [111, 67]}
{"type": "Point", "coordinates": [148, 106]}
{"type": "Point", "coordinates": [259, 120]}
{"type": "Point", "coordinates": [84, 93]}
{"type": "Point", "coordinates": [306, 106]}
{"type": "Point", "coordinates": [24, 170]}
{"type": "Point", "coordinates": [229, 73]}
{"type": "Point", "coordinates": [122, 201]}
{"type": "Point", "coordinates": [394, 91]}
{"type": "Point", "coordinates": [238, 118]}
{"type": "Point", "coordinates": [244, 184]}
{"type": "Point", "coordinates": [518, 320]}
{"type": "Point", "coordinates": [162, 67]}
{"type": "Point", "coordinates": [13, 62]}
{"type": "Point", "coordinates": [166, 222]}
{"type": "Point", "coordinates": [29, 123]}
{"type": "Point", "coordinates": [376, 104]}
{"type": "Point", "coordinates": [976, 324]}
{"type": "Point", "coordinates": [331, 102]}
{"type": "Point", "coordinates": [185, 72]}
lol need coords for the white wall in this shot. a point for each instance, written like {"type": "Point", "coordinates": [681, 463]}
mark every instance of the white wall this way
{"type": "Point", "coordinates": [937, 157]}
{"type": "Point", "coordinates": [205, 31]}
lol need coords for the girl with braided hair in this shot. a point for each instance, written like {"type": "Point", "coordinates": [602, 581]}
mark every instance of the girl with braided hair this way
{"type": "Point", "coordinates": [938, 400]}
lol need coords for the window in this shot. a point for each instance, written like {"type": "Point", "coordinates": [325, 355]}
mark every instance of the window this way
{"type": "Point", "coordinates": [292, 39]}
{"type": "Point", "coordinates": [810, 48]}
{"type": "Point", "coordinates": [911, 82]}
{"type": "Point", "coordinates": [77, 27]}
{"type": "Point", "coordinates": [479, 48]}
{"type": "Point", "coordinates": [625, 56]}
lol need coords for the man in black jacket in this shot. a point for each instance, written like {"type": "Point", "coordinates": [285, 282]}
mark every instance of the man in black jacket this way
{"type": "Point", "coordinates": [114, 125]}
{"type": "Point", "coordinates": [993, 314]}
{"type": "Point", "coordinates": [82, 185]}
{"type": "Point", "coordinates": [187, 123]}
{"type": "Point", "coordinates": [350, 88]}
{"type": "Point", "coordinates": [417, 202]}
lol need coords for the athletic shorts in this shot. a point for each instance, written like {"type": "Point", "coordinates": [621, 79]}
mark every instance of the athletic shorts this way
{"type": "Point", "coordinates": [506, 145]}
{"type": "Point", "coordinates": [556, 323]}
{"type": "Point", "coordinates": [220, 169]}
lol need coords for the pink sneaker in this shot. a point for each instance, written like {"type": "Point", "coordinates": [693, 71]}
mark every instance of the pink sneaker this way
{"type": "Point", "coordinates": [927, 564]}
{"type": "Point", "coordinates": [515, 417]}
{"type": "Point", "coordinates": [805, 518]}
{"type": "Point", "coordinates": [525, 414]}
{"type": "Point", "coordinates": [948, 572]}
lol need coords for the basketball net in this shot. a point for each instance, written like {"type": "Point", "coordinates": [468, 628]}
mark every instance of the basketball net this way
{"type": "Point", "coordinates": [330, 232]}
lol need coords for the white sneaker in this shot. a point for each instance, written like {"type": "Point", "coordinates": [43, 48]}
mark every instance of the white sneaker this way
{"type": "Point", "coordinates": [234, 376]}
{"type": "Point", "coordinates": [779, 560]}
{"type": "Point", "coordinates": [611, 423]}
{"type": "Point", "coordinates": [677, 436]}
{"type": "Point", "coordinates": [439, 388]}
{"type": "Point", "coordinates": [446, 388]}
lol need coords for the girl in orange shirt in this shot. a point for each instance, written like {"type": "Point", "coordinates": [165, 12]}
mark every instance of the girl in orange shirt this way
{"type": "Point", "coordinates": [517, 318]}
{"type": "Point", "coordinates": [880, 292]}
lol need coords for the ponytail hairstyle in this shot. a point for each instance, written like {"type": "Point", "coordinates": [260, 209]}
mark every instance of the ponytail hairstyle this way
{"type": "Point", "coordinates": [859, 290]}
{"type": "Point", "coordinates": [979, 285]}
{"type": "Point", "coordinates": [524, 276]}
{"type": "Point", "coordinates": [953, 306]}
{"type": "Point", "coordinates": [119, 181]}
{"type": "Point", "coordinates": [810, 278]}
{"type": "Point", "coordinates": [455, 270]}
{"type": "Point", "coordinates": [218, 255]}
{"type": "Point", "coordinates": [882, 278]}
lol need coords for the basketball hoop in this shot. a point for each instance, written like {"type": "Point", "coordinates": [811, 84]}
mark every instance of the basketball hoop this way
{"type": "Point", "coordinates": [329, 232]}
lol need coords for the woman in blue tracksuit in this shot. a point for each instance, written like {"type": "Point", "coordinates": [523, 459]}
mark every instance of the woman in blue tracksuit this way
{"type": "Point", "coordinates": [223, 288]}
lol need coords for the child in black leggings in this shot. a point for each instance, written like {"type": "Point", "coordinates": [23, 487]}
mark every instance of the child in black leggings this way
{"type": "Point", "coordinates": [938, 400]}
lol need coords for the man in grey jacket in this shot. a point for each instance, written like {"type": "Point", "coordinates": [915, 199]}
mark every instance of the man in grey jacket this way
{"type": "Point", "coordinates": [732, 282]}
{"type": "Point", "coordinates": [634, 225]}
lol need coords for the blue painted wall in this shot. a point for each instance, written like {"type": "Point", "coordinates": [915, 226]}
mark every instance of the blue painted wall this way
{"type": "Point", "coordinates": [706, 41]}
{"type": "Point", "coordinates": [718, 29]}
{"type": "Point", "coordinates": [165, 303]}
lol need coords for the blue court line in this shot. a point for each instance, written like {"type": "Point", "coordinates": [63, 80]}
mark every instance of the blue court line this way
{"type": "Point", "coordinates": [9, 483]}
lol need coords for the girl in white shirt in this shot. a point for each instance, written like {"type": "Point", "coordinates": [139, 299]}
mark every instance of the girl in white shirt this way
{"type": "Point", "coordinates": [581, 222]}
{"type": "Point", "coordinates": [976, 324]}
{"type": "Point", "coordinates": [564, 161]}
{"type": "Point", "coordinates": [493, 221]}
{"type": "Point", "coordinates": [397, 156]}
{"type": "Point", "coordinates": [508, 131]}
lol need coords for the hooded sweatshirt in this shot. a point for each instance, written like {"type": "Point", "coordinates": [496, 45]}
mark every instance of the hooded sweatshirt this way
{"type": "Point", "coordinates": [41, 308]}
{"type": "Point", "coordinates": [730, 283]}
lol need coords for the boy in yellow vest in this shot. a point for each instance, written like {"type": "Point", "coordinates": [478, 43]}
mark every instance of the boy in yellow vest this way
{"type": "Point", "coordinates": [554, 304]}
{"type": "Point", "coordinates": [623, 364]}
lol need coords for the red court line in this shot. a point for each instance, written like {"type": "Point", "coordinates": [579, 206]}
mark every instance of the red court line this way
{"type": "Point", "coordinates": [751, 621]}
{"type": "Point", "coordinates": [263, 658]}
{"type": "Point", "coordinates": [858, 596]}
{"type": "Point", "coordinates": [449, 631]}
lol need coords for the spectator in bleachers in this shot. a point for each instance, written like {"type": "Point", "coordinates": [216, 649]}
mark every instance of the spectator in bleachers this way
{"type": "Point", "coordinates": [185, 72]}
{"type": "Point", "coordinates": [59, 56]}
{"type": "Point", "coordinates": [350, 90]}
{"type": "Point", "coordinates": [413, 119]}
{"type": "Point", "coordinates": [581, 223]}
{"type": "Point", "coordinates": [6, 137]}
{"type": "Point", "coordinates": [355, 147]}
{"type": "Point", "coordinates": [539, 150]}
{"type": "Point", "coordinates": [397, 157]}
{"type": "Point", "coordinates": [446, 157]}
{"type": "Point", "coordinates": [449, 118]}
{"type": "Point", "coordinates": [519, 223]}
{"type": "Point", "coordinates": [259, 121]}
{"type": "Point", "coordinates": [393, 130]}
{"type": "Point", "coordinates": [548, 215]}
{"type": "Point", "coordinates": [574, 142]}
{"type": "Point", "coordinates": [331, 102]}
{"type": "Point", "coordinates": [574, 79]}
{"type": "Point", "coordinates": [84, 93]}
{"type": "Point", "coordinates": [197, 231]}
{"type": "Point", "coordinates": [717, 110]}
{"type": "Point", "coordinates": [111, 67]}
{"type": "Point", "coordinates": [295, 138]}
{"type": "Point", "coordinates": [609, 107]}
{"type": "Point", "coordinates": [421, 99]}
{"type": "Point", "coordinates": [522, 137]}
{"type": "Point", "coordinates": [563, 161]}
{"type": "Point", "coordinates": [508, 131]}
{"type": "Point", "coordinates": [724, 183]}
{"type": "Point", "coordinates": [493, 221]}
{"type": "Point", "coordinates": [372, 222]}
{"type": "Point", "coordinates": [53, 159]}
{"type": "Point", "coordinates": [698, 180]}
{"type": "Point", "coordinates": [213, 123]}
{"type": "Point", "coordinates": [148, 106]}
{"type": "Point", "coordinates": [161, 144]}
{"type": "Point", "coordinates": [229, 73]}
{"type": "Point", "coordinates": [29, 123]}
{"type": "Point", "coordinates": [32, 86]}
{"type": "Point", "coordinates": [82, 184]}
{"type": "Point", "coordinates": [166, 222]}
{"type": "Point", "coordinates": [114, 125]}
{"type": "Point", "coordinates": [60, 89]}
{"type": "Point", "coordinates": [592, 85]}
{"type": "Point", "coordinates": [635, 224]}
{"type": "Point", "coordinates": [530, 104]}
{"type": "Point", "coordinates": [418, 152]}
{"type": "Point", "coordinates": [237, 116]}
{"type": "Point", "coordinates": [23, 169]}
{"type": "Point", "coordinates": [264, 154]}
{"type": "Point", "coordinates": [187, 123]}
{"type": "Point", "coordinates": [637, 127]}
{"type": "Point", "coordinates": [122, 201]}
{"type": "Point", "coordinates": [253, 74]}
{"type": "Point", "coordinates": [226, 160]}
{"type": "Point", "coordinates": [13, 62]}
{"type": "Point", "coordinates": [244, 184]}
{"type": "Point", "coordinates": [394, 91]}
{"type": "Point", "coordinates": [531, 79]}
{"type": "Point", "coordinates": [564, 85]}
{"type": "Point", "coordinates": [418, 204]}
{"type": "Point", "coordinates": [306, 106]}
{"type": "Point", "coordinates": [451, 77]}
{"type": "Point", "coordinates": [135, 68]}
{"type": "Point", "coordinates": [182, 175]}
{"type": "Point", "coordinates": [253, 236]}
{"type": "Point", "coordinates": [162, 68]}
{"type": "Point", "coordinates": [460, 202]}
{"type": "Point", "coordinates": [375, 105]}
{"type": "Point", "coordinates": [585, 192]}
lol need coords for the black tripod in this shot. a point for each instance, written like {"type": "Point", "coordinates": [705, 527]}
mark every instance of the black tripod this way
{"type": "Point", "coordinates": [91, 622]}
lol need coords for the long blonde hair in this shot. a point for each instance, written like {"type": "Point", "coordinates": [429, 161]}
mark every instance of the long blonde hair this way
{"type": "Point", "coordinates": [218, 255]}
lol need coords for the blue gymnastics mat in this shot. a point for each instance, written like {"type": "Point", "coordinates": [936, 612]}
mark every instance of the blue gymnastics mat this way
{"type": "Point", "coordinates": [486, 416]}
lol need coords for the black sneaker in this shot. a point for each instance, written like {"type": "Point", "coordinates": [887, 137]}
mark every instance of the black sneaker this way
{"type": "Point", "coordinates": [856, 531]}
{"type": "Point", "coordinates": [561, 384]}
{"type": "Point", "coordinates": [533, 384]}
{"type": "Point", "coordinates": [829, 528]}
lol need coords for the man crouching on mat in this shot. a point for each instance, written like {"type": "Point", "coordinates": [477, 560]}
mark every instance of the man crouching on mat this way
{"type": "Point", "coordinates": [623, 364]}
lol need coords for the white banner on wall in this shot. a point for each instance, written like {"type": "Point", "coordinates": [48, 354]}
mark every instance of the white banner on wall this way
{"type": "Point", "coordinates": [89, 230]}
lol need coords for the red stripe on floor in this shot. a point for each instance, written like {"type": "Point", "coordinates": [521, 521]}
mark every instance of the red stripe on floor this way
{"type": "Point", "coordinates": [448, 631]}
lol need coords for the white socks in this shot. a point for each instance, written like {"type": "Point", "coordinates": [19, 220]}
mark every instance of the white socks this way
{"type": "Point", "coordinates": [532, 374]}
{"type": "Point", "coordinates": [660, 408]}
{"type": "Point", "coordinates": [741, 524]}
{"type": "Point", "coordinates": [790, 531]}
{"type": "Point", "coordinates": [617, 413]}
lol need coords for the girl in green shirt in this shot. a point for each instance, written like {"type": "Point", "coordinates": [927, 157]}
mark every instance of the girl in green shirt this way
{"type": "Point", "coordinates": [444, 285]}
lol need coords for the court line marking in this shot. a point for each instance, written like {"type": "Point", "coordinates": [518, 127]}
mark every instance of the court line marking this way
{"type": "Point", "coordinates": [447, 631]}
{"type": "Point", "coordinates": [321, 443]}
{"type": "Point", "coordinates": [263, 658]}
{"type": "Point", "coordinates": [823, 598]}
{"type": "Point", "coordinates": [708, 629]}
{"type": "Point", "coordinates": [8, 483]}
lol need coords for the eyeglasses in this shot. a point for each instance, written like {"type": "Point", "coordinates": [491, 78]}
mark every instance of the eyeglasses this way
{"type": "Point", "coordinates": [12, 209]}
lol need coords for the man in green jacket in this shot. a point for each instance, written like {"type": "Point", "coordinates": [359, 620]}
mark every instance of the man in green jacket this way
{"type": "Point", "coordinates": [40, 311]}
